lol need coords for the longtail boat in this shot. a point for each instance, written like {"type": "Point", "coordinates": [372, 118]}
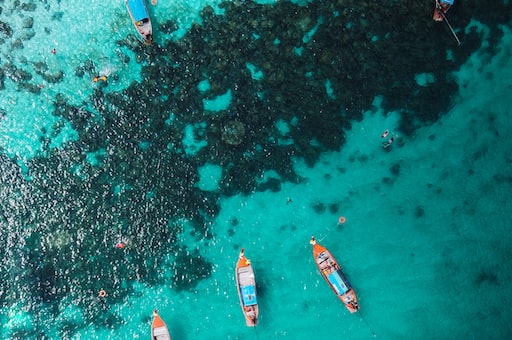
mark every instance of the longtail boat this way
{"type": "Point", "coordinates": [246, 285]}
{"type": "Point", "coordinates": [441, 7]}
{"type": "Point", "coordinates": [159, 330]}
{"type": "Point", "coordinates": [332, 273]}
{"type": "Point", "coordinates": [140, 19]}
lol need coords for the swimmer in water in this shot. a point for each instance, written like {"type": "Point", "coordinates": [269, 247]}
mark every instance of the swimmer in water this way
{"type": "Point", "coordinates": [388, 142]}
{"type": "Point", "coordinates": [103, 77]}
{"type": "Point", "coordinates": [120, 245]}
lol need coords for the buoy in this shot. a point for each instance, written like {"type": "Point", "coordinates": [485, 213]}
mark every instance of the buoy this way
{"type": "Point", "coordinates": [342, 220]}
{"type": "Point", "coordinates": [102, 293]}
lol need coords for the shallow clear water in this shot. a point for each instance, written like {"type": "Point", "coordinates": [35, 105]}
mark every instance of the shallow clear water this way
{"type": "Point", "coordinates": [161, 159]}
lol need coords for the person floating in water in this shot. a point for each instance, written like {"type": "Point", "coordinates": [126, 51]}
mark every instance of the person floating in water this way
{"type": "Point", "coordinates": [103, 76]}
{"type": "Point", "coordinates": [100, 77]}
{"type": "Point", "coordinates": [442, 6]}
{"type": "Point", "coordinates": [388, 143]}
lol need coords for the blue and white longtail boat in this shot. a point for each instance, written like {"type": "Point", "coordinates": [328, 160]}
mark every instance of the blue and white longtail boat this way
{"type": "Point", "coordinates": [246, 285]}
{"type": "Point", "coordinates": [140, 18]}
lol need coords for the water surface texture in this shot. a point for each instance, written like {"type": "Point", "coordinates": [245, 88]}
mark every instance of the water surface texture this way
{"type": "Point", "coordinates": [255, 124]}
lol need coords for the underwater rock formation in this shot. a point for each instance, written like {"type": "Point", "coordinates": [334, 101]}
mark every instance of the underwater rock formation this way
{"type": "Point", "coordinates": [233, 132]}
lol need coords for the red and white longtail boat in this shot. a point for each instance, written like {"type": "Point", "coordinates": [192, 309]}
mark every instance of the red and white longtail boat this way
{"type": "Point", "coordinates": [246, 285]}
{"type": "Point", "coordinates": [332, 273]}
{"type": "Point", "coordinates": [159, 330]}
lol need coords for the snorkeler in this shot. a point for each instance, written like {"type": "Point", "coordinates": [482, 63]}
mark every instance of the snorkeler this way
{"type": "Point", "coordinates": [102, 76]}
{"type": "Point", "coordinates": [388, 143]}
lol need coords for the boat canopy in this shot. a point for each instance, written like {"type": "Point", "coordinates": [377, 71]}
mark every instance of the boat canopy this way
{"type": "Point", "coordinates": [249, 295]}
{"type": "Point", "coordinates": [138, 9]}
{"type": "Point", "coordinates": [339, 282]}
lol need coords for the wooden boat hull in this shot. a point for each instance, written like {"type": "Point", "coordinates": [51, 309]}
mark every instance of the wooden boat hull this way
{"type": "Point", "coordinates": [140, 19]}
{"type": "Point", "coordinates": [159, 330]}
{"type": "Point", "coordinates": [441, 7]}
{"type": "Point", "coordinates": [246, 285]}
{"type": "Point", "coordinates": [334, 276]}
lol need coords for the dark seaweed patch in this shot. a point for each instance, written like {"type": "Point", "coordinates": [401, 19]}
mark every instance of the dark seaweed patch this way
{"type": "Point", "coordinates": [395, 170]}
{"type": "Point", "coordinates": [271, 184]}
{"type": "Point", "coordinates": [486, 276]}
{"type": "Point", "coordinates": [388, 180]}
{"type": "Point", "coordinates": [334, 208]}
{"type": "Point", "coordinates": [419, 211]}
{"type": "Point", "coordinates": [318, 207]}
{"type": "Point", "coordinates": [189, 269]}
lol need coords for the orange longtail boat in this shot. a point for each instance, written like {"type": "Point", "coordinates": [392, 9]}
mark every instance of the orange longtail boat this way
{"type": "Point", "coordinates": [332, 273]}
{"type": "Point", "coordinates": [159, 330]}
{"type": "Point", "coordinates": [246, 285]}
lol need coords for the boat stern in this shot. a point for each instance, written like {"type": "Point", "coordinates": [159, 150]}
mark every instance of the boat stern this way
{"type": "Point", "coordinates": [350, 301]}
{"type": "Point", "coordinates": [145, 30]}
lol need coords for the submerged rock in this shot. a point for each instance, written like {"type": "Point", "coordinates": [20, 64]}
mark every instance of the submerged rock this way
{"type": "Point", "coordinates": [5, 29]}
{"type": "Point", "coordinates": [233, 132]}
{"type": "Point", "coordinates": [28, 22]}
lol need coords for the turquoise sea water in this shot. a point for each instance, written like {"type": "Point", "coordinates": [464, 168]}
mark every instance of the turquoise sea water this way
{"type": "Point", "coordinates": [197, 147]}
